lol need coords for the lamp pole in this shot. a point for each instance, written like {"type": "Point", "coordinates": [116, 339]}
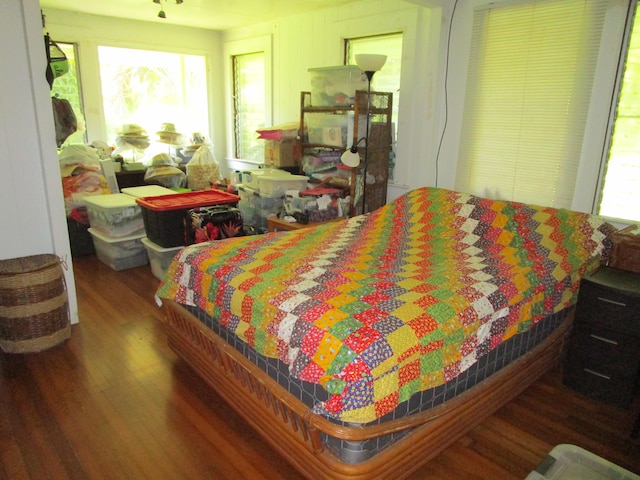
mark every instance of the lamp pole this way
{"type": "Point", "coordinates": [369, 64]}
{"type": "Point", "coordinates": [369, 74]}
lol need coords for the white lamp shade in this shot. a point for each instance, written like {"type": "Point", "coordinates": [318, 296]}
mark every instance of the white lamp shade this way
{"type": "Point", "coordinates": [370, 62]}
{"type": "Point", "coordinates": [350, 159]}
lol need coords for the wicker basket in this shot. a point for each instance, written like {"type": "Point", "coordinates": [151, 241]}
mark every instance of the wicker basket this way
{"type": "Point", "coordinates": [34, 309]}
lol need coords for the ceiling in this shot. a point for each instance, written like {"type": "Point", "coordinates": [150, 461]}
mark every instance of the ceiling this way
{"type": "Point", "coordinates": [209, 14]}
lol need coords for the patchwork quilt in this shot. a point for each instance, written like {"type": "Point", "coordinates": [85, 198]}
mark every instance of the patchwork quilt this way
{"type": "Point", "coordinates": [378, 307]}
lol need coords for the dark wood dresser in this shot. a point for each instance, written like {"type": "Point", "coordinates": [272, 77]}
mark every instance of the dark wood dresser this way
{"type": "Point", "coordinates": [603, 355]}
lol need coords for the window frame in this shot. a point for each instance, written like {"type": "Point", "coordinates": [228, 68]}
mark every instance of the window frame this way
{"type": "Point", "coordinates": [631, 14]}
{"type": "Point", "coordinates": [185, 130]}
{"type": "Point", "coordinates": [239, 135]}
{"type": "Point", "coordinates": [240, 47]}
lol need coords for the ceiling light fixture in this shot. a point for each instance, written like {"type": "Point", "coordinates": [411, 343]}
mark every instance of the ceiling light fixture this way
{"type": "Point", "coordinates": [162, 13]}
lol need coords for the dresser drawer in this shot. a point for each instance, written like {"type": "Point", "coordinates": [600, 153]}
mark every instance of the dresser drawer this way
{"type": "Point", "coordinates": [609, 352]}
{"type": "Point", "coordinates": [603, 364]}
{"type": "Point", "coordinates": [613, 390]}
{"type": "Point", "coordinates": [603, 354]}
{"type": "Point", "coordinates": [605, 306]}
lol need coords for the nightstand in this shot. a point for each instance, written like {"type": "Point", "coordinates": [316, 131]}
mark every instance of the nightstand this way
{"type": "Point", "coordinates": [603, 355]}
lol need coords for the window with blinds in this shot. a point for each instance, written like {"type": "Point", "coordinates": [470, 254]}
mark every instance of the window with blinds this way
{"type": "Point", "coordinates": [620, 196]}
{"type": "Point", "coordinates": [529, 84]}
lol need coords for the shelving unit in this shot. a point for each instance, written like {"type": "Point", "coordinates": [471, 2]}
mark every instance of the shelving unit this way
{"type": "Point", "coordinates": [334, 129]}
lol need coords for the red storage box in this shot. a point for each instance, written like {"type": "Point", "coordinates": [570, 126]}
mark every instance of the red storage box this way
{"type": "Point", "coordinates": [164, 216]}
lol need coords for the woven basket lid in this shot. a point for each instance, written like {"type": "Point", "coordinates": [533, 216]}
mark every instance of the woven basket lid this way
{"type": "Point", "coordinates": [32, 263]}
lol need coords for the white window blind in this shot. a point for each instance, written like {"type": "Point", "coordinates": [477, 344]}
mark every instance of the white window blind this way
{"type": "Point", "coordinates": [528, 89]}
{"type": "Point", "coordinates": [621, 189]}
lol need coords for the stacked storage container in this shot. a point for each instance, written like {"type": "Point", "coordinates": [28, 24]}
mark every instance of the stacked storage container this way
{"type": "Point", "coordinates": [147, 191]}
{"type": "Point", "coordinates": [165, 216]}
{"type": "Point", "coordinates": [263, 194]}
{"type": "Point", "coordinates": [117, 228]}
{"type": "Point", "coordinates": [169, 225]}
{"type": "Point", "coordinates": [159, 257]}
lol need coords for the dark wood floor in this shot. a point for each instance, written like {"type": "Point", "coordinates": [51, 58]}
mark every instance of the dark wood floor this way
{"type": "Point", "coordinates": [114, 402]}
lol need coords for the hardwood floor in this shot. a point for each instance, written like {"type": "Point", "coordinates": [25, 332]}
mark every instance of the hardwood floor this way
{"type": "Point", "coordinates": [115, 402]}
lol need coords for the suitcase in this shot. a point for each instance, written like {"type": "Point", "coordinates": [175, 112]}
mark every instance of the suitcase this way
{"type": "Point", "coordinates": [205, 224]}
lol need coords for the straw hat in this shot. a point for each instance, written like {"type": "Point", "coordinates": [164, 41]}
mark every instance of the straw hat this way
{"type": "Point", "coordinates": [132, 130]}
{"type": "Point", "coordinates": [168, 134]}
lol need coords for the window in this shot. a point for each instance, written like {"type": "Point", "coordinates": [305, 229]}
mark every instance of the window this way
{"type": "Point", "coordinates": [68, 87]}
{"type": "Point", "coordinates": [387, 79]}
{"type": "Point", "coordinates": [149, 88]}
{"type": "Point", "coordinates": [529, 85]}
{"type": "Point", "coordinates": [620, 196]}
{"type": "Point", "coordinates": [249, 111]}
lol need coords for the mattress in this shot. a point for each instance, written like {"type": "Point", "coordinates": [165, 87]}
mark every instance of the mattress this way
{"type": "Point", "coordinates": [354, 452]}
{"type": "Point", "coordinates": [370, 311]}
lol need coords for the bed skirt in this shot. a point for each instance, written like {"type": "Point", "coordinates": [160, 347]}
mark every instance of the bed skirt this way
{"type": "Point", "coordinates": [300, 436]}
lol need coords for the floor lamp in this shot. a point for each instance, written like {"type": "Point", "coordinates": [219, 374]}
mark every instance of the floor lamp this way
{"type": "Point", "coordinates": [369, 64]}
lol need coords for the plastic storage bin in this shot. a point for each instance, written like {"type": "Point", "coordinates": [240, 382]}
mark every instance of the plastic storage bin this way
{"type": "Point", "coordinates": [165, 216]}
{"type": "Point", "coordinates": [115, 215]}
{"type": "Point", "coordinates": [250, 178]}
{"type": "Point", "coordinates": [569, 462]}
{"type": "Point", "coordinates": [147, 191]}
{"type": "Point", "coordinates": [333, 86]}
{"type": "Point", "coordinates": [325, 204]}
{"type": "Point", "coordinates": [256, 207]}
{"type": "Point", "coordinates": [120, 253]}
{"type": "Point", "coordinates": [277, 185]}
{"type": "Point", "coordinates": [327, 129]}
{"type": "Point", "coordinates": [160, 258]}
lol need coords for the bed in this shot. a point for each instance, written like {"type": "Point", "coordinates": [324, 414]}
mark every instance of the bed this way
{"type": "Point", "coordinates": [362, 348]}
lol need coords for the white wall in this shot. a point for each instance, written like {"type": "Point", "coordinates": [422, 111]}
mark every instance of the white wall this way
{"type": "Point", "coordinates": [33, 217]}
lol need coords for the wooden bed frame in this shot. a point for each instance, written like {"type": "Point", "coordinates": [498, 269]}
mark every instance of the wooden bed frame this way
{"type": "Point", "coordinates": [292, 429]}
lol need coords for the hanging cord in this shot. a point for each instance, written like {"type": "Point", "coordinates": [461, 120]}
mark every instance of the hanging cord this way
{"type": "Point", "coordinates": [446, 92]}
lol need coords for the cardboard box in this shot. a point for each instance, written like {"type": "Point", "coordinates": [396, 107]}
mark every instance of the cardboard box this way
{"type": "Point", "coordinates": [282, 153]}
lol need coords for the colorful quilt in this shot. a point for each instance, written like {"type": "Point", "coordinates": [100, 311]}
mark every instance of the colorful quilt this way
{"type": "Point", "coordinates": [378, 307]}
